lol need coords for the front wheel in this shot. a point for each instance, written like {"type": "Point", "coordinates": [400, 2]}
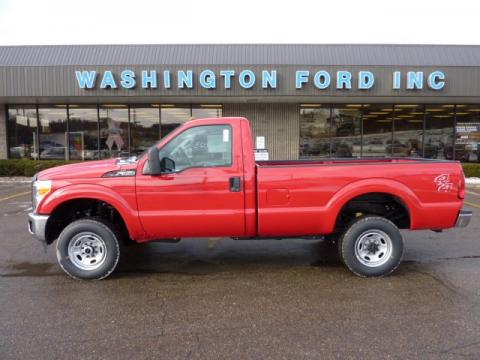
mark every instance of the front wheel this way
{"type": "Point", "coordinates": [88, 249]}
{"type": "Point", "coordinates": [371, 246]}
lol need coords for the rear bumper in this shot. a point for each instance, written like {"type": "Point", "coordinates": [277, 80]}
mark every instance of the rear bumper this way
{"type": "Point", "coordinates": [464, 217]}
{"type": "Point", "coordinates": [36, 225]}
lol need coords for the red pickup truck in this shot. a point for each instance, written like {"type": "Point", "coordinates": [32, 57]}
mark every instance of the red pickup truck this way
{"type": "Point", "coordinates": [202, 181]}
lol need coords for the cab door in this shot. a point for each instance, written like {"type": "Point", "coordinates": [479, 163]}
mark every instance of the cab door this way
{"type": "Point", "coordinates": [203, 195]}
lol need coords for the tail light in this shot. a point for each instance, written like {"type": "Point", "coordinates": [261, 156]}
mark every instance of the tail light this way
{"type": "Point", "coordinates": [461, 186]}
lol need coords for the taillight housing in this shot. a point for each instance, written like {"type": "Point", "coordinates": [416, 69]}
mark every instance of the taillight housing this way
{"type": "Point", "coordinates": [461, 186]}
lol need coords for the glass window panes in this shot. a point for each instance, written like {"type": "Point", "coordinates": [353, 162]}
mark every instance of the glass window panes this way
{"type": "Point", "coordinates": [83, 132]}
{"type": "Point", "coordinates": [314, 131]}
{"type": "Point", "coordinates": [206, 111]}
{"type": "Point", "coordinates": [145, 127]}
{"type": "Point", "coordinates": [346, 130]}
{"type": "Point", "coordinates": [408, 131]}
{"type": "Point", "coordinates": [22, 132]}
{"type": "Point", "coordinates": [438, 137]}
{"type": "Point", "coordinates": [172, 117]}
{"type": "Point", "coordinates": [342, 130]}
{"type": "Point", "coordinates": [114, 139]}
{"type": "Point", "coordinates": [53, 132]}
{"type": "Point", "coordinates": [377, 130]}
{"type": "Point", "coordinates": [201, 146]}
{"type": "Point", "coordinates": [467, 133]}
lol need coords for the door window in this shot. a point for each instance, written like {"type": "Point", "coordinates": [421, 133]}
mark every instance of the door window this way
{"type": "Point", "coordinates": [201, 146]}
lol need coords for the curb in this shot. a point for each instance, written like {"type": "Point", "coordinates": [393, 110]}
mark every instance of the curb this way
{"type": "Point", "coordinates": [472, 181]}
{"type": "Point", "coordinates": [15, 180]}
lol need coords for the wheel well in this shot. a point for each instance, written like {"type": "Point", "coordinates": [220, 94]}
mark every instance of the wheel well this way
{"type": "Point", "coordinates": [76, 209]}
{"type": "Point", "coordinates": [380, 204]}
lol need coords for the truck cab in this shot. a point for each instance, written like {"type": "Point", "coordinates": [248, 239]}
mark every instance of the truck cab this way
{"type": "Point", "coordinates": [195, 183]}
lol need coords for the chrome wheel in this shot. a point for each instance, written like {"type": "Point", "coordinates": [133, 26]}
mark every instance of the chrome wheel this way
{"type": "Point", "coordinates": [87, 251]}
{"type": "Point", "coordinates": [373, 248]}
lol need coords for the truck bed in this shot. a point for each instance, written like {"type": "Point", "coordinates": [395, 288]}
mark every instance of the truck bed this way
{"type": "Point", "coordinates": [304, 197]}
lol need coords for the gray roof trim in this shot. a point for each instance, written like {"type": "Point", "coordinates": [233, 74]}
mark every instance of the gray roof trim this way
{"type": "Point", "coordinates": [241, 54]}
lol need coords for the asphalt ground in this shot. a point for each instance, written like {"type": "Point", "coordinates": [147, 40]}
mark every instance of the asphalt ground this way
{"type": "Point", "coordinates": [199, 299]}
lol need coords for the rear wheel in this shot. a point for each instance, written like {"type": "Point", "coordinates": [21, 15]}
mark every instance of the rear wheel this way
{"type": "Point", "coordinates": [371, 246]}
{"type": "Point", "coordinates": [88, 249]}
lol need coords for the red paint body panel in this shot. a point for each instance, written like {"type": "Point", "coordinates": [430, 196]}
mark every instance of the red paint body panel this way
{"type": "Point", "coordinates": [316, 193]}
{"type": "Point", "coordinates": [195, 202]}
{"type": "Point", "coordinates": [118, 192]}
{"type": "Point", "coordinates": [277, 198]}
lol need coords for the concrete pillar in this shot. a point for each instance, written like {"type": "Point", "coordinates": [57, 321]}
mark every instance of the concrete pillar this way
{"type": "Point", "coordinates": [3, 132]}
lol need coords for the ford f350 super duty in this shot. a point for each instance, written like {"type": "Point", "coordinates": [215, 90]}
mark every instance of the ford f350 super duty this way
{"type": "Point", "coordinates": [202, 181]}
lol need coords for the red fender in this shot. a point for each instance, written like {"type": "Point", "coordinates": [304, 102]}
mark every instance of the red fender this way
{"type": "Point", "coordinates": [376, 185]}
{"type": "Point", "coordinates": [128, 212]}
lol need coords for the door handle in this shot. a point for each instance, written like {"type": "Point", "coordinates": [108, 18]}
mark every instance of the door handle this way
{"type": "Point", "coordinates": [235, 184]}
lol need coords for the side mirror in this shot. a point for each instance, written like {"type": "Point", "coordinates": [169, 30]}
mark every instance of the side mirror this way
{"type": "Point", "coordinates": [167, 165]}
{"type": "Point", "coordinates": [153, 161]}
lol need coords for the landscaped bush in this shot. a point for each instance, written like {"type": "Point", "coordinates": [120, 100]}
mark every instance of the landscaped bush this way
{"type": "Point", "coordinates": [471, 169]}
{"type": "Point", "coordinates": [17, 167]}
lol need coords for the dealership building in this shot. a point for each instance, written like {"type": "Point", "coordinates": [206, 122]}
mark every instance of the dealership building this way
{"type": "Point", "coordinates": [84, 102]}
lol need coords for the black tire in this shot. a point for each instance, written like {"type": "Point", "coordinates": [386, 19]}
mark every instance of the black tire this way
{"type": "Point", "coordinates": [374, 231]}
{"type": "Point", "coordinates": [103, 234]}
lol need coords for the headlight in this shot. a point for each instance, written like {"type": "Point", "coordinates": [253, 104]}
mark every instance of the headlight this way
{"type": "Point", "coordinates": [40, 189]}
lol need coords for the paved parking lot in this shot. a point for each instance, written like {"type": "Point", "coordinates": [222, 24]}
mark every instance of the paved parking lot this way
{"type": "Point", "coordinates": [239, 299]}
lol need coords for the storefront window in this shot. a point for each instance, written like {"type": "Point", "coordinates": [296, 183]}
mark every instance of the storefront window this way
{"type": "Point", "coordinates": [114, 139]}
{"type": "Point", "coordinates": [408, 131]}
{"type": "Point", "coordinates": [206, 111]}
{"type": "Point", "coordinates": [53, 132]}
{"type": "Point", "coordinates": [22, 132]}
{"type": "Point", "coordinates": [145, 127]}
{"type": "Point", "coordinates": [83, 135]}
{"type": "Point", "coordinates": [314, 131]}
{"type": "Point", "coordinates": [346, 130]}
{"type": "Point", "coordinates": [377, 130]}
{"type": "Point", "coordinates": [95, 132]}
{"type": "Point", "coordinates": [342, 130]}
{"type": "Point", "coordinates": [438, 138]}
{"type": "Point", "coordinates": [173, 116]}
{"type": "Point", "coordinates": [467, 133]}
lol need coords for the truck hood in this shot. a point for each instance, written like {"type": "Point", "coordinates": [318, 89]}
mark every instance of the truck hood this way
{"type": "Point", "coordinates": [88, 169]}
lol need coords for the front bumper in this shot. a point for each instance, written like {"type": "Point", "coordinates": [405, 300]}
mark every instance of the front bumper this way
{"type": "Point", "coordinates": [464, 217]}
{"type": "Point", "coordinates": [37, 225]}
